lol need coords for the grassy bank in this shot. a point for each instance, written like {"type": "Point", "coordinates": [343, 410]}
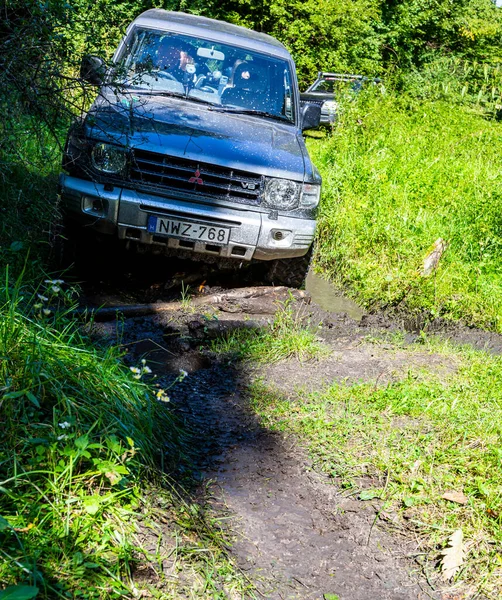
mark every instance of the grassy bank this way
{"type": "Point", "coordinates": [397, 176]}
{"type": "Point", "coordinates": [406, 444]}
{"type": "Point", "coordinates": [86, 445]}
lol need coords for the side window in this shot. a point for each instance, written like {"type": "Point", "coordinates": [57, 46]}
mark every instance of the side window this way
{"type": "Point", "coordinates": [140, 51]}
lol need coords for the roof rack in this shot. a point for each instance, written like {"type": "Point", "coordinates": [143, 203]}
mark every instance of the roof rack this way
{"type": "Point", "coordinates": [346, 77]}
{"type": "Point", "coordinates": [339, 75]}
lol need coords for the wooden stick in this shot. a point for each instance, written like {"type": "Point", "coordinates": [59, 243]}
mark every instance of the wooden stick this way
{"type": "Point", "coordinates": [107, 313]}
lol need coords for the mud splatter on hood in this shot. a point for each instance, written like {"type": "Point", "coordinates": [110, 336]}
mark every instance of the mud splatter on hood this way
{"type": "Point", "coordinates": [183, 128]}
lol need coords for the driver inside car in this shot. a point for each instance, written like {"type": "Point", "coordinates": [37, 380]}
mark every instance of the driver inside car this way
{"type": "Point", "coordinates": [175, 60]}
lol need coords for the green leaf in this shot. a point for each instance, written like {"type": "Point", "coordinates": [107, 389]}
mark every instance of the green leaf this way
{"type": "Point", "coordinates": [331, 597]}
{"type": "Point", "coordinates": [92, 504]}
{"type": "Point", "coordinates": [4, 524]}
{"type": "Point", "coordinates": [32, 398]}
{"type": "Point", "coordinates": [369, 495]}
{"type": "Point", "coordinates": [12, 395]}
{"type": "Point", "coordinates": [114, 444]}
{"type": "Point", "coordinates": [409, 502]}
{"type": "Point", "coordinates": [18, 592]}
{"type": "Point", "coordinates": [82, 442]}
{"type": "Point", "coordinates": [16, 247]}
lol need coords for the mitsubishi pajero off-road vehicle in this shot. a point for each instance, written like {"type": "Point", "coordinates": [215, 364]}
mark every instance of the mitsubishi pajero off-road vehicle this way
{"type": "Point", "coordinates": [194, 147]}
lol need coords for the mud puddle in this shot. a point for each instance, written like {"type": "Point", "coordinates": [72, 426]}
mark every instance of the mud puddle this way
{"type": "Point", "coordinates": [325, 295]}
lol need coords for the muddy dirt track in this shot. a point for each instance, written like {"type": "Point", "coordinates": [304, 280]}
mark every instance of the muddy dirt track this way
{"type": "Point", "coordinates": [296, 534]}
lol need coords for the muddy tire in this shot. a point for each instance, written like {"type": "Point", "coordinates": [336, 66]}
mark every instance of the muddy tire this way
{"type": "Point", "coordinates": [289, 271]}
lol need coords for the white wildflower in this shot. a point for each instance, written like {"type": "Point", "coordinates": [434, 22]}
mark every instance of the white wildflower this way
{"type": "Point", "coordinates": [53, 281]}
{"type": "Point", "coordinates": [62, 437]}
{"type": "Point", "coordinates": [162, 396]}
{"type": "Point", "coordinates": [183, 373]}
{"type": "Point", "coordinates": [143, 361]}
{"type": "Point", "coordinates": [42, 298]}
{"type": "Point", "coordinates": [146, 370]}
{"type": "Point", "coordinates": [56, 289]}
{"type": "Point", "coordinates": [47, 312]}
{"type": "Point", "coordinates": [135, 370]}
{"type": "Point", "coordinates": [65, 425]}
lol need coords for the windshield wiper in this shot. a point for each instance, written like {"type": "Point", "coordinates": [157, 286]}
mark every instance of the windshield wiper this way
{"type": "Point", "coordinates": [167, 93]}
{"type": "Point", "coordinates": [249, 111]}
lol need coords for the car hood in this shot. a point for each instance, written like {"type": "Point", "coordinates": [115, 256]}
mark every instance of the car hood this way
{"type": "Point", "coordinates": [182, 128]}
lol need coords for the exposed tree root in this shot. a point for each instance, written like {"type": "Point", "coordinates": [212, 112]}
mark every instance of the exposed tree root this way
{"type": "Point", "coordinates": [249, 299]}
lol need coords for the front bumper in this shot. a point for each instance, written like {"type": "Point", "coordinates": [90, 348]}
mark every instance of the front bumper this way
{"type": "Point", "coordinates": [328, 117]}
{"type": "Point", "coordinates": [124, 212]}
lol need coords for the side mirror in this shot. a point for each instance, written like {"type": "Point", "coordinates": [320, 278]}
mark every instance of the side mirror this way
{"type": "Point", "coordinates": [93, 69]}
{"type": "Point", "coordinates": [310, 116]}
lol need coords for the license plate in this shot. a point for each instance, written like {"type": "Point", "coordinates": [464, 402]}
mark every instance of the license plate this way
{"type": "Point", "coordinates": [189, 231]}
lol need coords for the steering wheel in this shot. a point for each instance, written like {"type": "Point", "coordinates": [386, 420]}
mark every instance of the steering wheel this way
{"type": "Point", "coordinates": [207, 88]}
{"type": "Point", "coordinates": [201, 85]}
{"type": "Point", "coordinates": [165, 75]}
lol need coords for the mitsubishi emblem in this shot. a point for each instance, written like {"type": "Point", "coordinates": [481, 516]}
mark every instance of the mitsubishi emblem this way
{"type": "Point", "coordinates": [196, 178]}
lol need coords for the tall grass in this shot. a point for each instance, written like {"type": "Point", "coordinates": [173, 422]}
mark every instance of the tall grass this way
{"type": "Point", "coordinates": [289, 336]}
{"type": "Point", "coordinates": [79, 436]}
{"type": "Point", "coordinates": [399, 174]}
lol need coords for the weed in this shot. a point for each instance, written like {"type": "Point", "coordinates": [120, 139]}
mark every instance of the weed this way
{"type": "Point", "coordinates": [186, 297]}
{"type": "Point", "coordinates": [287, 337]}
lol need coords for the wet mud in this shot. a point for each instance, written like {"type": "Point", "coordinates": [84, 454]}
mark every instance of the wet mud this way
{"type": "Point", "coordinates": [294, 532]}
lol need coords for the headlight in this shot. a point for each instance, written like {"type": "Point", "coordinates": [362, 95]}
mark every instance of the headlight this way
{"type": "Point", "coordinates": [330, 106]}
{"type": "Point", "coordinates": [108, 159]}
{"type": "Point", "coordinates": [282, 194]}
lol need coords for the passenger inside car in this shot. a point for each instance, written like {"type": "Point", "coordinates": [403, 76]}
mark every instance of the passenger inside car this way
{"type": "Point", "coordinates": [249, 87]}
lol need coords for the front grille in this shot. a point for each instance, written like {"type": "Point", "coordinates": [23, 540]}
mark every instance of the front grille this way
{"type": "Point", "coordinates": [158, 172]}
{"type": "Point", "coordinates": [317, 101]}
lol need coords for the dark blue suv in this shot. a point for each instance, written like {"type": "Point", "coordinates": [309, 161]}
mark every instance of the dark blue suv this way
{"type": "Point", "coordinates": [194, 145]}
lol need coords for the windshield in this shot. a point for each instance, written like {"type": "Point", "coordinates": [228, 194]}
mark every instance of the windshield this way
{"type": "Point", "coordinates": [159, 62]}
{"type": "Point", "coordinates": [337, 84]}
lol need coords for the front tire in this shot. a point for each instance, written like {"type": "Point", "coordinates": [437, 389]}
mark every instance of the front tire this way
{"type": "Point", "coordinates": [290, 272]}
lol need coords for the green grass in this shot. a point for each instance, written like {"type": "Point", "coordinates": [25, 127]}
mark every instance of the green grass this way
{"type": "Point", "coordinates": [411, 441]}
{"type": "Point", "coordinates": [289, 336]}
{"type": "Point", "coordinates": [84, 453]}
{"type": "Point", "coordinates": [398, 176]}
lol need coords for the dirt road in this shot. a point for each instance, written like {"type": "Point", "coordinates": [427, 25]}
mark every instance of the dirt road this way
{"type": "Point", "coordinates": [296, 534]}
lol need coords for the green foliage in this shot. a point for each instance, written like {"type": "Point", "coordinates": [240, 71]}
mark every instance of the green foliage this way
{"type": "Point", "coordinates": [289, 336]}
{"type": "Point", "coordinates": [78, 433]}
{"type": "Point", "coordinates": [398, 175]}
{"type": "Point", "coordinates": [415, 29]}
{"type": "Point", "coordinates": [85, 451]}
{"type": "Point", "coordinates": [412, 441]}
{"type": "Point", "coordinates": [456, 81]}
{"type": "Point", "coordinates": [321, 35]}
